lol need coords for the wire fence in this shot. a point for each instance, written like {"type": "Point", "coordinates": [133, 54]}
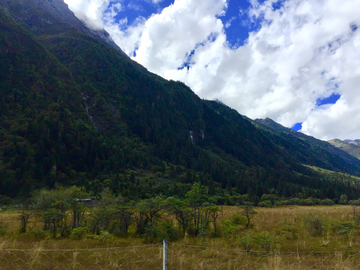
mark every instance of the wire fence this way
{"type": "Point", "coordinates": [175, 256]}
{"type": "Point", "coordinates": [196, 257]}
{"type": "Point", "coordinates": [136, 257]}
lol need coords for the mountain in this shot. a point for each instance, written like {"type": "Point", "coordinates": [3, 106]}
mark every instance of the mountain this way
{"type": "Point", "coordinates": [76, 111]}
{"type": "Point", "coordinates": [38, 15]}
{"type": "Point", "coordinates": [355, 142]}
{"type": "Point", "coordinates": [349, 146]}
{"type": "Point", "coordinates": [320, 151]}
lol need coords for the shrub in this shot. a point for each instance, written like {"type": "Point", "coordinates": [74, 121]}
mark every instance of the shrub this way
{"type": "Point", "coordinates": [309, 201]}
{"type": "Point", "coordinates": [343, 199]}
{"type": "Point", "coordinates": [314, 225]}
{"type": "Point", "coordinates": [78, 233]}
{"type": "Point", "coordinates": [103, 236]}
{"type": "Point", "coordinates": [238, 219]}
{"type": "Point", "coordinates": [342, 228]}
{"type": "Point", "coordinates": [269, 197]}
{"type": "Point", "coordinates": [232, 225]}
{"type": "Point", "coordinates": [267, 204]}
{"type": "Point", "coordinates": [3, 231]}
{"type": "Point", "coordinates": [162, 230]}
{"type": "Point", "coordinates": [40, 234]}
{"type": "Point", "coordinates": [229, 228]}
{"type": "Point", "coordinates": [281, 203]}
{"type": "Point", "coordinates": [294, 201]}
{"type": "Point", "coordinates": [265, 240]}
{"type": "Point", "coordinates": [166, 230]}
{"type": "Point", "coordinates": [289, 230]}
{"type": "Point", "coordinates": [356, 218]}
{"type": "Point", "coordinates": [246, 242]}
{"type": "Point", "coordinates": [327, 202]}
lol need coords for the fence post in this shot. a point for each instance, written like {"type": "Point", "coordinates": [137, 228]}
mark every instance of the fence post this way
{"type": "Point", "coordinates": [165, 257]}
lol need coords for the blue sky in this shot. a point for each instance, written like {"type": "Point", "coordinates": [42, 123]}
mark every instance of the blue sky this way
{"type": "Point", "coordinates": [236, 21]}
{"type": "Point", "coordinates": [295, 61]}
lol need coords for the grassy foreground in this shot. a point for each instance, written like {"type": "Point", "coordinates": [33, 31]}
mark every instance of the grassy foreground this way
{"type": "Point", "coordinates": [279, 238]}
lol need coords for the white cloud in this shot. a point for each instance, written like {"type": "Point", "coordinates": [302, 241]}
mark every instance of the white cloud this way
{"type": "Point", "coordinates": [228, 23]}
{"type": "Point", "coordinates": [89, 11]}
{"type": "Point", "coordinates": [297, 56]}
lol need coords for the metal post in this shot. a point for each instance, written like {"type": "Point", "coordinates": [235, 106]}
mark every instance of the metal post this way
{"type": "Point", "coordinates": [165, 257]}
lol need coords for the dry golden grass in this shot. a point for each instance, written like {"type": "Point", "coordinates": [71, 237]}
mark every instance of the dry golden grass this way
{"type": "Point", "coordinates": [191, 253]}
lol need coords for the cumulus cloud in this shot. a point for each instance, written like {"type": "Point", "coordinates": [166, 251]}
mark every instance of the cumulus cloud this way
{"type": "Point", "coordinates": [303, 51]}
{"type": "Point", "coordinates": [89, 11]}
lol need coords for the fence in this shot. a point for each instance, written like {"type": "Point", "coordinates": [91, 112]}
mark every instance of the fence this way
{"type": "Point", "coordinates": [174, 256]}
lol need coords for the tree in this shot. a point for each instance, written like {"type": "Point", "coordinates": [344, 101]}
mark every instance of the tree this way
{"type": "Point", "coordinates": [196, 199]}
{"type": "Point", "coordinates": [74, 198]}
{"type": "Point", "coordinates": [24, 218]}
{"type": "Point", "coordinates": [354, 204]}
{"type": "Point", "coordinates": [343, 199]}
{"type": "Point", "coordinates": [248, 211]}
{"type": "Point", "coordinates": [103, 212]}
{"type": "Point", "coordinates": [53, 207]}
{"type": "Point", "coordinates": [148, 211]}
{"type": "Point", "coordinates": [214, 213]}
{"type": "Point", "coordinates": [56, 215]}
{"type": "Point", "coordinates": [181, 210]}
{"type": "Point", "coordinates": [125, 215]}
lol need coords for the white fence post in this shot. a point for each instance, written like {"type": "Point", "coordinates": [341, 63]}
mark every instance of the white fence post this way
{"type": "Point", "coordinates": [165, 257]}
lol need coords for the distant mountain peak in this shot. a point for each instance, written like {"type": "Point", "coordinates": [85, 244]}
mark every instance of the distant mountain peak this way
{"type": "Point", "coordinates": [52, 12]}
{"type": "Point", "coordinates": [355, 142]}
{"type": "Point", "coordinates": [350, 146]}
{"type": "Point", "coordinates": [272, 124]}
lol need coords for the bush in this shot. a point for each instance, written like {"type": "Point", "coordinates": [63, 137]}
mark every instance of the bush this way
{"type": "Point", "coordinates": [343, 199]}
{"type": "Point", "coordinates": [3, 231]}
{"type": "Point", "coordinates": [281, 203]}
{"type": "Point", "coordinates": [246, 242]}
{"type": "Point", "coordinates": [267, 204]}
{"type": "Point", "coordinates": [342, 228]}
{"type": "Point", "coordinates": [78, 233]}
{"type": "Point", "coordinates": [327, 202]}
{"type": "Point", "coordinates": [103, 236]}
{"type": "Point", "coordinates": [294, 201]}
{"type": "Point", "coordinates": [289, 230]}
{"type": "Point", "coordinates": [232, 225]}
{"type": "Point", "coordinates": [40, 234]}
{"type": "Point", "coordinates": [265, 240]}
{"type": "Point", "coordinates": [229, 228]}
{"type": "Point", "coordinates": [238, 219]}
{"type": "Point", "coordinates": [314, 225]}
{"type": "Point", "coordinates": [166, 230]}
{"type": "Point", "coordinates": [269, 197]}
{"type": "Point", "coordinates": [162, 230]}
{"type": "Point", "coordinates": [4, 200]}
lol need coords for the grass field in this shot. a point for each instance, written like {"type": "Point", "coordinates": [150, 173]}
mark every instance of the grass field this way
{"type": "Point", "coordinates": [278, 239]}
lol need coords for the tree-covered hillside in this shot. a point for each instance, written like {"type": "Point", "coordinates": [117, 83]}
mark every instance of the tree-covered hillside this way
{"type": "Point", "coordinates": [76, 111]}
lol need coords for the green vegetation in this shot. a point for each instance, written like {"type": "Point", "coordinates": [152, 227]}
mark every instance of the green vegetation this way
{"type": "Point", "coordinates": [73, 213]}
{"type": "Point", "coordinates": [95, 148]}
{"type": "Point", "coordinates": [108, 220]}
{"type": "Point", "coordinates": [75, 111]}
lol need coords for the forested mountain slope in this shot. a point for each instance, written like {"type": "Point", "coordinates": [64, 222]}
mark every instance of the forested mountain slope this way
{"type": "Point", "coordinates": [75, 110]}
{"type": "Point", "coordinates": [321, 153]}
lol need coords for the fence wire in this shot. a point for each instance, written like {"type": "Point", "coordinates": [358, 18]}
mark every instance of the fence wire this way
{"type": "Point", "coordinates": [135, 257]}
{"type": "Point", "coordinates": [202, 257]}
{"type": "Point", "coordinates": [182, 257]}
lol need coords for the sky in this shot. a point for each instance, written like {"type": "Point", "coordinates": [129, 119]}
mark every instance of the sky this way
{"type": "Point", "coordinates": [294, 61]}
